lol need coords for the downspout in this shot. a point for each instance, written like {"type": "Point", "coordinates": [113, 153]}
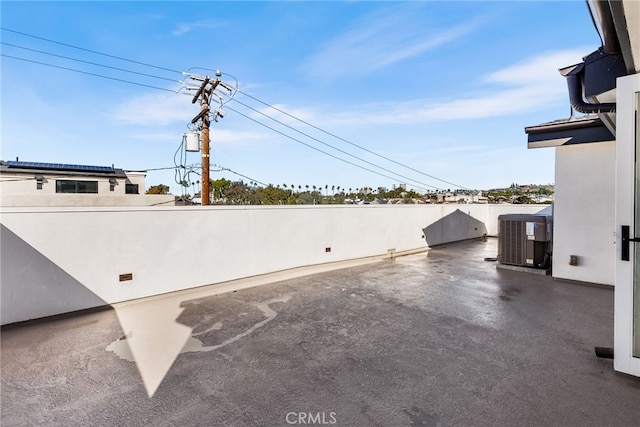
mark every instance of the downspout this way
{"type": "Point", "coordinates": [574, 81]}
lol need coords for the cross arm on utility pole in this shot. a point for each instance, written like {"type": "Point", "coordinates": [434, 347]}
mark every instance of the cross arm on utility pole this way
{"type": "Point", "coordinates": [204, 84]}
{"type": "Point", "coordinates": [200, 115]}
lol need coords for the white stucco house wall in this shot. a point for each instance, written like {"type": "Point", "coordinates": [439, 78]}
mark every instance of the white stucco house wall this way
{"type": "Point", "coordinates": [53, 184]}
{"type": "Point", "coordinates": [597, 195]}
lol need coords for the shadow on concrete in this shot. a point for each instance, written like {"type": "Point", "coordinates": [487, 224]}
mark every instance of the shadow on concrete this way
{"type": "Point", "coordinates": [455, 227]}
{"type": "Point", "coordinates": [438, 339]}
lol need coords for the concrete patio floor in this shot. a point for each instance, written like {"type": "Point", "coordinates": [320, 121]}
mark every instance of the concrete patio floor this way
{"type": "Point", "coordinates": [436, 338]}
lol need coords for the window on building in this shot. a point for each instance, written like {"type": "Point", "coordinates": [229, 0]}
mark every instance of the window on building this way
{"type": "Point", "coordinates": [72, 186]}
{"type": "Point", "coordinates": [131, 189]}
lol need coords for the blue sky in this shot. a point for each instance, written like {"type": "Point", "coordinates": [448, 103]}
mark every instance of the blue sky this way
{"type": "Point", "coordinates": [445, 88]}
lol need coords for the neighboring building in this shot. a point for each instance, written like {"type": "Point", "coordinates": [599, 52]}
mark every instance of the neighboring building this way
{"type": "Point", "coordinates": [54, 184]}
{"type": "Point", "coordinates": [461, 197]}
{"type": "Point", "coordinates": [596, 155]}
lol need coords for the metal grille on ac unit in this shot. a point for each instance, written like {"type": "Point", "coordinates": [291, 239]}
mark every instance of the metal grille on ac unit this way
{"type": "Point", "coordinates": [510, 242]}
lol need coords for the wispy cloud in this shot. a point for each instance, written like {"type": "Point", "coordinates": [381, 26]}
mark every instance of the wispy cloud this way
{"type": "Point", "coordinates": [155, 110]}
{"type": "Point", "coordinates": [541, 68]}
{"type": "Point", "coordinates": [186, 27]}
{"type": "Point", "coordinates": [380, 40]}
{"type": "Point", "coordinates": [157, 137]}
{"type": "Point", "coordinates": [235, 137]}
{"type": "Point", "coordinates": [292, 116]}
{"type": "Point", "coordinates": [529, 85]}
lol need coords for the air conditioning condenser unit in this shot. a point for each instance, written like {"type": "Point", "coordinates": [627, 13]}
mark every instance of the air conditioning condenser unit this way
{"type": "Point", "coordinates": [525, 240]}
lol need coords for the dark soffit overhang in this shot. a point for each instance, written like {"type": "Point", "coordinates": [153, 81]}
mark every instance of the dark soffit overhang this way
{"type": "Point", "coordinates": [582, 130]}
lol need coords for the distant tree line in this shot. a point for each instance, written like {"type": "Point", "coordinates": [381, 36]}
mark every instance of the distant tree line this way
{"type": "Point", "coordinates": [227, 192]}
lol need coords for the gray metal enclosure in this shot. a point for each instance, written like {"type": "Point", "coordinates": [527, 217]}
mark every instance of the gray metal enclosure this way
{"type": "Point", "coordinates": [525, 240]}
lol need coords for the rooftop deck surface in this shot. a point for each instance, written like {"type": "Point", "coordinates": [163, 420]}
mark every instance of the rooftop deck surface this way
{"type": "Point", "coordinates": [441, 338]}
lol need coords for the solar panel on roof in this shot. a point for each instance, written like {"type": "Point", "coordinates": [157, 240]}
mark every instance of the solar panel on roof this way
{"type": "Point", "coordinates": [58, 166]}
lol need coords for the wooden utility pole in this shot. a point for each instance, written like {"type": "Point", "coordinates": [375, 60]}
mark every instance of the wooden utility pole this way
{"type": "Point", "coordinates": [204, 93]}
{"type": "Point", "coordinates": [204, 191]}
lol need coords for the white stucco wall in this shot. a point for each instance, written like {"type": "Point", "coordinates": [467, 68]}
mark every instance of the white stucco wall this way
{"type": "Point", "coordinates": [584, 208]}
{"type": "Point", "coordinates": [58, 200]}
{"type": "Point", "coordinates": [58, 260]}
{"type": "Point", "coordinates": [137, 178]}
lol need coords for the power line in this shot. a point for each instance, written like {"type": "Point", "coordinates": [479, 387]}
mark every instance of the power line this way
{"type": "Point", "coordinates": [239, 174]}
{"type": "Point", "coordinates": [152, 169]}
{"type": "Point", "coordinates": [89, 62]}
{"type": "Point", "coordinates": [348, 142]}
{"type": "Point", "coordinates": [192, 167]}
{"type": "Point", "coordinates": [315, 148]}
{"type": "Point", "coordinates": [86, 72]}
{"type": "Point", "coordinates": [335, 148]}
{"type": "Point", "coordinates": [88, 50]}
